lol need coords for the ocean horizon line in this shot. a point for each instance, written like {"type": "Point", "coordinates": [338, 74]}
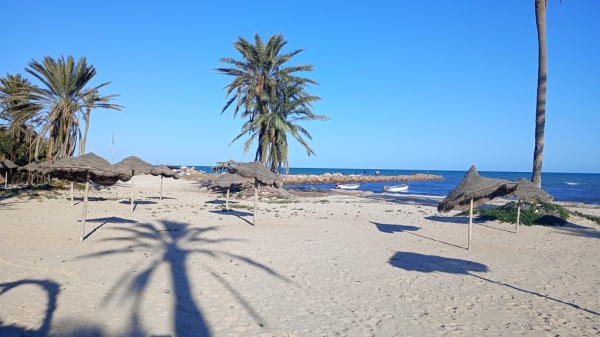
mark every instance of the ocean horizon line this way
{"type": "Point", "coordinates": [371, 170]}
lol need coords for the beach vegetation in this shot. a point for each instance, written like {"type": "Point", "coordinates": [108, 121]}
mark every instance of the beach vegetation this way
{"type": "Point", "coordinates": [545, 214]}
{"type": "Point", "coordinates": [240, 206]}
{"type": "Point", "coordinates": [272, 97]}
{"type": "Point", "coordinates": [593, 218]}
{"type": "Point", "coordinates": [50, 115]}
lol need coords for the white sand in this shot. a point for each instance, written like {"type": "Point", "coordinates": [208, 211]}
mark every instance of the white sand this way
{"type": "Point", "coordinates": [339, 265]}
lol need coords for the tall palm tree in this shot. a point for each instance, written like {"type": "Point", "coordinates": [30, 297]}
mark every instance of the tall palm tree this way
{"type": "Point", "coordinates": [540, 110]}
{"type": "Point", "coordinates": [292, 105]}
{"type": "Point", "coordinates": [61, 98]}
{"type": "Point", "coordinates": [257, 86]}
{"type": "Point", "coordinates": [92, 99]}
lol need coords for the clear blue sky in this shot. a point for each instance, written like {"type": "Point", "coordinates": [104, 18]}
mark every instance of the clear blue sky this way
{"type": "Point", "coordinates": [407, 84]}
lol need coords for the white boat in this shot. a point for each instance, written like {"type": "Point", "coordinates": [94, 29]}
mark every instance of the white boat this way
{"type": "Point", "coordinates": [397, 188]}
{"type": "Point", "coordinates": [346, 186]}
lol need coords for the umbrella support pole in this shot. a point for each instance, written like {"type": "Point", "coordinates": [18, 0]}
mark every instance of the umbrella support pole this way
{"type": "Point", "coordinates": [6, 179]}
{"type": "Point", "coordinates": [255, 200]}
{"type": "Point", "coordinates": [72, 203]}
{"type": "Point", "coordinates": [132, 187]}
{"type": "Point", "coordinates": [85, 202]}
{"type": "Point", "coordinates": [470, 225]}
{"type": "Point", "coordinates": [518, 216]}
{"type": "Point", "coordinates": [227, 200]}
{"type": "Point", "coordinates": [161, 181]}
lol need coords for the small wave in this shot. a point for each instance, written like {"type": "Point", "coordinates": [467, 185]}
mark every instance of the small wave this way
{"type": "Point", "coordinates": [570, 183]}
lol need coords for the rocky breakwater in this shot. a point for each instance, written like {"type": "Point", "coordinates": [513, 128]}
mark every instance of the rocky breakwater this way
{"type": "Point", "coordinates": [329, 178]}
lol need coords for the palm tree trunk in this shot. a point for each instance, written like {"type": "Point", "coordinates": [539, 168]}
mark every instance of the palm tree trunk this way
{"type": "Point", "coordinates": [540, 110]}
{"type": "Point", "coordinates": [86, 118]}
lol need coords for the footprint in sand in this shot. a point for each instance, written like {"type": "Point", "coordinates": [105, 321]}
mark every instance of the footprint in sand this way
{"type": "Point", "coordinates": [526, 326]}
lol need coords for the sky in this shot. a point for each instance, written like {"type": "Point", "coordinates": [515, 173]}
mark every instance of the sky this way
{"type": "Point", "coordinates": [415, 85]}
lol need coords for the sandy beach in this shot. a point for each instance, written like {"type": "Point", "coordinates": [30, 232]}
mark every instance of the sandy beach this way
{"type": "Point", "coordinates": [320, 264]}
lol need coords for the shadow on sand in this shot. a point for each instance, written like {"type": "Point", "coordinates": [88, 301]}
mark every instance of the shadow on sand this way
{"type": "Point", "coordinates": [163, 198]}
{"type": "Point", "coordinates": [52, 290]}
{"type": "Point", "coordinates": [405, 199]}
{"type": "Point", "coordinates": [231, 212]}
{"type": "Point", "coordinates": [454, 219]}
{"type": "Point", "coordinates": [391, 228]}
{"type": "Point", "coordinates": [219, 202]}
{"type": "Point", "coordinates": [577, 230]}
{"type": "Point", "coordinates": [432, 263]}
{"type": "Point", "coordinates": [138, 202]}
{"type": "Point", "coordinates": [104, 221]}
{"type": "Point", "coordinates": [166, 242]}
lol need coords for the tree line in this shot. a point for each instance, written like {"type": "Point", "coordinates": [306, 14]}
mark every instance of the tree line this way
{"type": "Point", "coordinates": [44, 122]}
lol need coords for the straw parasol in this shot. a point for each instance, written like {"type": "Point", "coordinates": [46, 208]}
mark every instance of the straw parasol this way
{"type": "Point", "coordinates": [134, 165]}
{"type": "Point", "coordinates": [7, 165]}
{"type": "Point", "coordinates": [86, 168]}
{"type": "Point", "coordinates": [224, 165]}
{"type": "Point", "coordinates": [528, 192]}
{"type": "Point", "coordinates": [228, 180]}
{"type": "Point", "coordinates": [31, 167]}
{"type": "Point", "coordinates": [163, 171]}
{"type": "Point", "coordinates": [261, 174]}
{"type": "Point", "coordinates": [473, 191]}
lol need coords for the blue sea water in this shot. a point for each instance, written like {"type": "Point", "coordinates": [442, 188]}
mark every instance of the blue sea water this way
{"type": "Point", "coordinates": [568, 187]}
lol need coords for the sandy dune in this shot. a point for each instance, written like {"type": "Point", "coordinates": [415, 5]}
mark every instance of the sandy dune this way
{"type": "Point", "coordinates": [343, 264]}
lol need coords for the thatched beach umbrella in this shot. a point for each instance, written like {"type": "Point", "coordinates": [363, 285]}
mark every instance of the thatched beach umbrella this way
{"type": "Point", "coordinates": [261, 174]}
{"type": "Point", "coordinates": [84, 169]}
{"type": "Point", "coordinates": [7, 165]}
{"type": "Point", "coordinates": [133, 165]}
{"type": "Point", "coordinates": [528, 192]}
{"type": "Point", "coordinates": [29, 168]}
{"type": "Point", "coordinates": [473, 191]}
{"type": "Point", "coordinates": [228, 180]}
{"type": "Point", "coordinates": [224, 165]}
{"type": "Point", "coordinates": [163, 171]}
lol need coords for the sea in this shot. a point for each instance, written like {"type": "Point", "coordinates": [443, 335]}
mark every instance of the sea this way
{"type": "Point", "coordinates": [566, 187]}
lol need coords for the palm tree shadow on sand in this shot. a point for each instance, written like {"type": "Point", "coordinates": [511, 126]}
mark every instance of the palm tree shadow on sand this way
{"type": "Point", "coordinates": [431, 263]}
{"type": "Point", "coordinates": [52, 290]}
{"type": "Point", "coordinates": [167, 241]}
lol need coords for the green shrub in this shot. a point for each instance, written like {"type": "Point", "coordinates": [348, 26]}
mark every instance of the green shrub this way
{"type": "Point", "coordinates": [545, 214]}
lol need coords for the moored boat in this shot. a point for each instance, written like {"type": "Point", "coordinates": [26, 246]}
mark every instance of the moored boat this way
{"type": "Point", "coordinates": [346, 186]}
{"type": "Point", "coordinates": [397, 188]}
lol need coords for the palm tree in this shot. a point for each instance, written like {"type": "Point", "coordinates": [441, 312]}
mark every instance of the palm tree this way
{"type": "Point", "coordinates": [292, 105]}
{"type": "Point", "coordinates": [540, 110]}
{"type": "Point", "coordinates": [16, 109]}
{"type": "Point", "coordinates": [61, 99]}
{"type": "Point", "coordinates": [258, 85]}
{"type": "Point", "coordinates": [92, 99]}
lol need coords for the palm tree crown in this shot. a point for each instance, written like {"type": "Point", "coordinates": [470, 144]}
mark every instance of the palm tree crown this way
{"type": "Point", "coordinates": [271, 96]}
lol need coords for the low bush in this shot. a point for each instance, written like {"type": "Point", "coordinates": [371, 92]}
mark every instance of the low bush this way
{"type": "Point", "coordinates": [544, 214]}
